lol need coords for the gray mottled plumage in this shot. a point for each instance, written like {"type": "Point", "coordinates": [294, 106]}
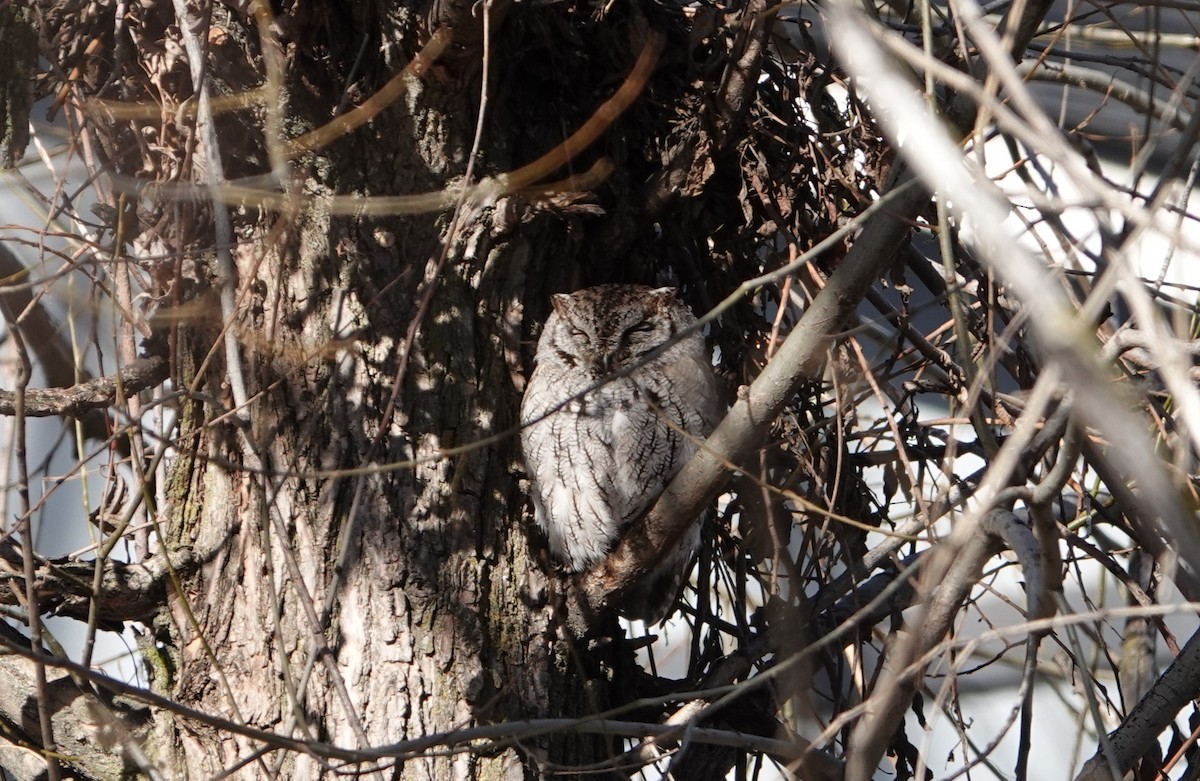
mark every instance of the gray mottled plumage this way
{"type": "Point", "coordinates": [598, 462]}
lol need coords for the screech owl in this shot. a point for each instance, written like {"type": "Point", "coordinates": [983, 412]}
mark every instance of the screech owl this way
{"type": "Point", "coordinates": [599, 461]}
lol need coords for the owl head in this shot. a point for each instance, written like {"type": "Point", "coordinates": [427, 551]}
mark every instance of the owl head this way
{"type": "Point", "coordinates": [609, 327]}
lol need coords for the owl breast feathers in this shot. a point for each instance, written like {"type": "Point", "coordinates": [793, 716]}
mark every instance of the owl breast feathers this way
{"type": "Point", "coordinates": [604, 429]}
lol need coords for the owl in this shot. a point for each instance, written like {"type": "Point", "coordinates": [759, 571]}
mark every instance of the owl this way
{"type": "Point", "coordinates": [604, 428]}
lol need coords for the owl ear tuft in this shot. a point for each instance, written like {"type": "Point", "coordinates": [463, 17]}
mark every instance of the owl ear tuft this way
{"type": "Point", "coordinates": [664, 294]}
{"type": "Point", "coordinates": [560, 302]}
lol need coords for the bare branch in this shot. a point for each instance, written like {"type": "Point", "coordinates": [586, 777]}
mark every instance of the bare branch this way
{"type": "Point", "coordinates": [78, 400]}
{"type": "Point", "coordinates": [1139, 732]}
{"type": "Point", "coordinates": [1106, 84]}
{"type": "Point", "coordinates": [757, 407]}
{"type": "Point", "coordinates": [88, 733]}
{"type": "Point", "coordinates": [129, 592]}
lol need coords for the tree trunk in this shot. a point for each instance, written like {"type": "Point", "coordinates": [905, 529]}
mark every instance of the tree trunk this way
{"type": "Point", "coordinates": [345, 491]}
{"type": "Point", "coordinates": [366, 577]}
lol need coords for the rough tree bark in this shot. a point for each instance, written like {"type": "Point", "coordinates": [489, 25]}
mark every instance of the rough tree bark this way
{"type": "Point", "coordinates": [400, 599]}
{"type": "Point", "coordinates": [363, 573]}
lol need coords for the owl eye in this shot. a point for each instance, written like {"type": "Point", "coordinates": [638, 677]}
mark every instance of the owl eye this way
{"type": "Point", "coordinates": [641, 328]}
{"type": "Point", "coordinates": [578, 334]}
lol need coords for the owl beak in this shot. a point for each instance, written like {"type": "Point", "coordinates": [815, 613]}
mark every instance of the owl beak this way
{"type": "Point", "coordinates": [606, 361]}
